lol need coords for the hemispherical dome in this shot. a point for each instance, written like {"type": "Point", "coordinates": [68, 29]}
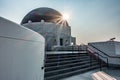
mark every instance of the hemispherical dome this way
{"type": "Point", "coordinates": [46, 14]}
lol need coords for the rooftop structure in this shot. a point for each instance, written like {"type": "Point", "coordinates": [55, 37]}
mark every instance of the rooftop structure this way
{"type": "Point", "coordinates": [46, 14]}
{"type": "Point", "coordinates": [51, 25]}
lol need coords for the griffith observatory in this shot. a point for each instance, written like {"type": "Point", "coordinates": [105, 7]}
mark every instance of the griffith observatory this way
{"type": "Point", "coordinates": [41, 48]}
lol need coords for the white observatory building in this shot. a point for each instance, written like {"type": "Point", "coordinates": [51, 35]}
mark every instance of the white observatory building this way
{"type": "Point", "coordinates": [50, 24]}
{"type": "Point", "coordinates": [21, 52]}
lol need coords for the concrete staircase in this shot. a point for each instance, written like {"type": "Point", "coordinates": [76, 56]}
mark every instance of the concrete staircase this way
{"type": "Point", "coordinates": [58, 66]}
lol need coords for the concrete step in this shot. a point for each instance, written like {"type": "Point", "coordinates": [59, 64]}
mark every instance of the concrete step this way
{"type": "Point", "coordinates": [66, 54]}
{"type": "Point", "coordinates": [67, 58]}
{"type": "Point", "coordinates": [66, 62]}
{"type": "Point", "coordinates": [50, 56]}
{"type": "Point", "coordinates": [71, 73]}
{"type": "Point", "coordinates": [62, 66]}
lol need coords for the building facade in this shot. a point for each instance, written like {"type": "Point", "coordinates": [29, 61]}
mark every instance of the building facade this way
{"type": "Point", "coordinates": [50, 24]}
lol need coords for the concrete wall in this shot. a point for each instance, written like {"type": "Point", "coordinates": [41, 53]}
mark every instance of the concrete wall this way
{"type": "Point", "coordinates": [21, 52]}
{"type": "Point", "coordinates": [111, 48]}
{"type": "Point", "coordinates": [52, 32]}
{"type": "Point", "coordinates": [107, 47]}
{"type": "Point", "coordinates": [73, 40]}
{"type": "Point", "coordinates": [117, 48]}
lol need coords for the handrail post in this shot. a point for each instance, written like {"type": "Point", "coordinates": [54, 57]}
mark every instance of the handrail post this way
{"type": "Point", "coordinates": [107, 63]}
{"type": "Point", "coordinates": [90, 60]}
{"type": "Point", "coordinates": [99, 61]}
{"type": "Point", "coordinates": [100, 65]}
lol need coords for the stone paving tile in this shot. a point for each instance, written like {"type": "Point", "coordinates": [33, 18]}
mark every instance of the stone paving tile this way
{"type": "Point", "coordinates": [84, 76]}
{"type": "Point", "coordinates": [87, 76]}
{"type": "Point", "coordinates": [113, 72]}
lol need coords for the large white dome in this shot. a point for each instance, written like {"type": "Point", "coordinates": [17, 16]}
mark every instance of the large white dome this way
{"type": "Point", "coordinates": [44, 13]}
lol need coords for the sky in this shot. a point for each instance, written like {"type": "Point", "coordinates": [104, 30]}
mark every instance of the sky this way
{"type": "Point", "coordinates": [90, 20]}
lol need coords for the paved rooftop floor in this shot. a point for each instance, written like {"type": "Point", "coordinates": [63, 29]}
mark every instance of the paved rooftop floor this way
{"type": "Point", "coordinates": [87, 76]}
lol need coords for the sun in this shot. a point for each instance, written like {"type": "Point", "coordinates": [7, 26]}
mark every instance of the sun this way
{"type": "Point", "coordinates": [65, 16]}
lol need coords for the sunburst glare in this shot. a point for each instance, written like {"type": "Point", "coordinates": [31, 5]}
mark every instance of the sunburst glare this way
{"type": "Point", "coordinates": [65, 16]}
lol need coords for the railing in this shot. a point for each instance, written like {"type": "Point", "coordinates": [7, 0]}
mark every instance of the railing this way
{"type": "Point", "coordinates": [97, 56]}
{"type": "Point", "coordinates": [91, 52]}
{"type": "Point", "coordinates": [104, 52]}
{"type": "Point", "coordinates": [105, 55]}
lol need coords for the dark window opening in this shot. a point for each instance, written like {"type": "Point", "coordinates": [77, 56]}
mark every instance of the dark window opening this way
{"type": "Point", "coordinates": [61, 42]}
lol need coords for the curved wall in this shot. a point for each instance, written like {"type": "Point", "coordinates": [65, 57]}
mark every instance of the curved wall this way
{"type": "Point", "coordinates": [21, 52]}
{"type": "Point", "coordinates": [52, 32]}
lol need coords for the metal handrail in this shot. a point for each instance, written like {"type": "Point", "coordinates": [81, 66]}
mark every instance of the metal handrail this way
{"type": "Point", "coordinates": [97, 53]}
{"type": "Point", "coordinates": [104, 52]}
{"type": "Point", "coordinates": [99, 58]}
{"type": "Point", "coordinates": [93, 53]}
